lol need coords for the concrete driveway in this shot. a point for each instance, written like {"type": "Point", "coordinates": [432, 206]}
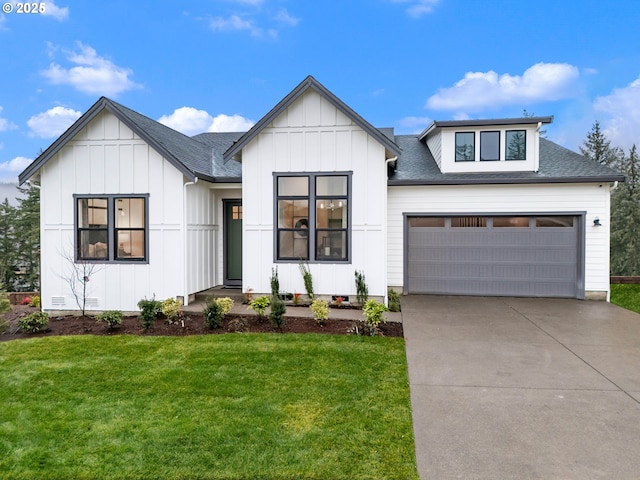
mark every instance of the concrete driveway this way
{"type": "Point", "coordinates": [523, 388]}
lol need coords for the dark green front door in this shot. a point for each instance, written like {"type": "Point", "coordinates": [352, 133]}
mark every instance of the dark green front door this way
{"type": "Point", "coordinates": [233, 242]}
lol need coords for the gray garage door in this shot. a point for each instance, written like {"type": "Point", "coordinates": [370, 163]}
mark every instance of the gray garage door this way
{"type": "Point", "coordinates": [532, 256]}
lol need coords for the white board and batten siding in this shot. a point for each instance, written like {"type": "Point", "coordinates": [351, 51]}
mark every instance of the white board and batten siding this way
{"type": "Point", "coordinates": [312, 135]}
{"type": "Point", "coordinates": [106, 157]}
{"type": "Point", "coordinates": [506, 199]}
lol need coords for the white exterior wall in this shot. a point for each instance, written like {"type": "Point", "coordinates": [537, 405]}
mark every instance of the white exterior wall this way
{"type": "Point", "coordinates": [520, 199]}
{"type": "Point", "coordinates": [446, 155]}
{"type": "Point", "coordinates": [106, 157]}
{"type": "Point", "coordinates": [201, 237]}
{"type": "Point", "coordinates": [312, 135]}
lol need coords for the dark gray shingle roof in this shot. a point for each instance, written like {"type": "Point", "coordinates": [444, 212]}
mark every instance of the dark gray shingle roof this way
{"type": "Point", "coordinates": [220, 143]}
{"type": "Point", "coordinates": [199, 156]}
{"type": "Point", "coordinates": [416, 166]}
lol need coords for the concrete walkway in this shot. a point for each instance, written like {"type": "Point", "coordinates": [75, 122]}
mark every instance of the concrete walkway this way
{"type": "Point", "coordinates": [514, 388]}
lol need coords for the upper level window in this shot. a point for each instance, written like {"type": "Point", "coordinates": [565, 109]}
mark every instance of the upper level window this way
{"type": "Point", "coordinates": [111, 228]}
{"type": "Point", "coordinates": [489, 146]}
{"type": "Point", "coordinates": [312, 217]}
{"type": "Point", "coordinates": [516, 145]}
{"type": "Point", "coordinates": [465, 147]}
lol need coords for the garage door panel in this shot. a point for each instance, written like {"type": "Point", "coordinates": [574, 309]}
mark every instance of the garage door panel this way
{"type": "Point", "coordinates": [518, 261]}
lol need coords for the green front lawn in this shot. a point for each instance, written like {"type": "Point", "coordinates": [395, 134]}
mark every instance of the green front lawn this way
{"type": "Point", "coordinates": [626, 296]}
{"type": "Point", "coordinates": [237, 406]}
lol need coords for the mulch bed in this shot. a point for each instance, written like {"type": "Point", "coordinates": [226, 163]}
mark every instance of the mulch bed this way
{"type": "Point", "coordinates": [193, 325]}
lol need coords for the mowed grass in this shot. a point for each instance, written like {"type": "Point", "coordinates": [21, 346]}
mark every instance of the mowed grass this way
{"type": "Point", "coordinates": [241, 406]}
{"type": "Point", "coordinates": [626, 296]}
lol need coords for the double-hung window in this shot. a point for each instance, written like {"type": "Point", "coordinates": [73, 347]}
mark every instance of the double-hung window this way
{"type": "Point", "coordinates": [112, 228]}
{"type": "Point", "coordinates": [312, 217]}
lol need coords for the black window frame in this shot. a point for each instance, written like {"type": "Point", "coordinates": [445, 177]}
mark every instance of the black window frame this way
{"type": "Point", "coordinates": [311, 232]}
{"type": "Point", "coordinates": [473, 147]}
{"type": "Point", "coordinates": [506, 145]}
{"type": "Point", "coordinates": [112, 231]}
{"type": "Point", "coordinates": [493, 133]}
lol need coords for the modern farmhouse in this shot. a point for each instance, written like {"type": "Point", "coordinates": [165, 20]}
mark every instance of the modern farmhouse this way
{"type": "Point", "coordinates": [473, 207]}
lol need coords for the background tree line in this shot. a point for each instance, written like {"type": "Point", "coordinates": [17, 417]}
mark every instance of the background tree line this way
{"type": "Point", "coordinates": [20, 241]}
{"type": "Point", "coordinates": [625, 200]}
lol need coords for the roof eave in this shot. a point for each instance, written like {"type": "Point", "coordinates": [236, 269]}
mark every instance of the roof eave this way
{"type": "Point", "coordinates": [505, 180]}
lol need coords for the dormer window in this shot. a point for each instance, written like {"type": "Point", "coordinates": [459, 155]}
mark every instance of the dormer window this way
{"type": "Point", "coordinates": [489, 146]}
{"type": "Point", "coordinates": [465, 147]}
{"type": "Point", "coordinates": [516, 145]}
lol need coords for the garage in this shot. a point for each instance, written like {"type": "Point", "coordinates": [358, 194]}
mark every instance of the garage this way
{"type": "Point", "coordinates": [528, 255]}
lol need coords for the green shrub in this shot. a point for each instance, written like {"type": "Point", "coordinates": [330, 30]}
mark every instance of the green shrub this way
{"type": "Point", "coordinates": [110, 317]}
{"type": "Point", "coordinates": [321, 310]}
{"type": "Point", "coordinates": [149, 311]}
{"type": "Point", "coordinates": [307, 278]}
{"type": "Point", "coordinates": [373, 311]}
{"type": "Point", "coordinates": [35, 322]}
{"type": "Point", "coordinates": [226, 304]}
{"type": "Point", "coordinates": [394, 300]}
{"type": "Point", "coordinates": [260, 305]}
{"type": "Point", "coordinates": [275, 283]}
{"type": "Point", "coordinates": [361, 288]}
{"type": "Point", "coordinates": [215, 310]}
{"type": "Point", "coordinates": [278, 309]}
{"type": "Point", "coordinates": [35, 302]}
{"type": "Point", "coordinates": [172, 309]}
{"type": "Point", "coordinates": [212, 314]}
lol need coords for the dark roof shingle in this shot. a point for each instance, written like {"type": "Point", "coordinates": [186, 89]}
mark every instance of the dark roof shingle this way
{"type": "Point", "coordinates": [416, 166]}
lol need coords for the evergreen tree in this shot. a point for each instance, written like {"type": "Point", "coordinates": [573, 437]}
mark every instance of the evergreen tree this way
{"type": "Point", "coordinates": [8, 254]}
{"type": "Point", "coordinates": [27, 228]}
{"type": "Point", "coordinates": [598, 148]}
{"type": "Point", "coordinates": [625, 219]}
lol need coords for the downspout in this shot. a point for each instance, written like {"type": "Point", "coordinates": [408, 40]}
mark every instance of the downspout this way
{"type": "Point", "coordinates": [185, 239]}
{"type": "Point", "coordinates": [615, 185]}
{"type": "Point", "coordinates": [388, 162]}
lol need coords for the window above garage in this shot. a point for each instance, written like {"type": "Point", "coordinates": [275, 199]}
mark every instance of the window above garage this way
{"type": "Point", "coordinates": [485, 146]}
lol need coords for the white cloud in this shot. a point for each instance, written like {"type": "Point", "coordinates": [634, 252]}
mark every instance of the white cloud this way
{"type": "Point", "coordinates": [6, 124]}
{"type": "Point", "coordinates": [59, 13]}
{"type": "Point", "coordinates": [234, 23]}
{"type": "Point", "coordinates": [233, 123]}
{"type": "Point", "coordinates": [9, 170]}
{"type": "Point", "coordinates": [622, 105]}
{"type": "Point", "coordinates": [284, 17]}
{"type": "Point", "coordinates": [417, 8]}
{"type": "Point", "coordinates": [188, 120]}
{"type": "Point", "coordinates": [191, 121]}
{"type": "Point", "coordinates": [479, 90]}
{"type": "Point", "coordinates": [91, 74]}
{"type": "Point", "coordinates": [53, 122]}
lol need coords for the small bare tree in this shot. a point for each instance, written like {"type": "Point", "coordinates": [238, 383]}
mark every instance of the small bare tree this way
{"type": "Point", "coordinates": [78, 276]}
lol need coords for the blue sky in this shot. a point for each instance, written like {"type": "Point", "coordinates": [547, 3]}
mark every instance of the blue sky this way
{"type": "Point", "coordinates": [220, 65]}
